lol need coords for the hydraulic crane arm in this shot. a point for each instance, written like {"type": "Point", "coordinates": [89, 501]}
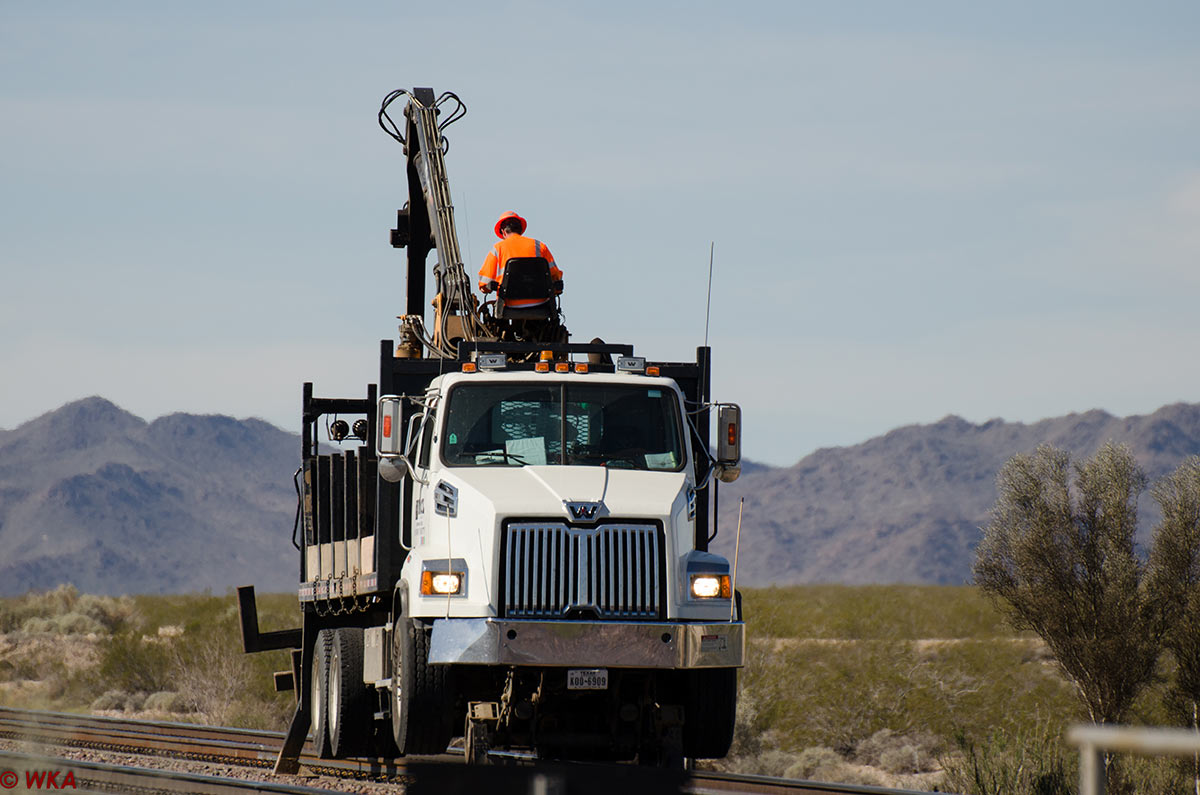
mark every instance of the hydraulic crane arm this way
{"type": "Point", "coordinates": [427, 223]}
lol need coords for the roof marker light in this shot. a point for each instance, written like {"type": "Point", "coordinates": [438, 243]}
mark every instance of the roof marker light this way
{"type": "Point", "coordinates": [542, 367]}
{"type": "Point", "coordinates": [469, 367]}
{"type": "Point", "coordinates": [562, 367]}
{"type": "Point", "coordinates": [581, 367]}
{"type": "Point", "coordinates": [652, 370]}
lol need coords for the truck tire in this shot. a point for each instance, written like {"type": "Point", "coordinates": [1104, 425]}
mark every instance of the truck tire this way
{"type": "Point", "coordinates": [318, 704]}
{"type": "Point", "coordinates": [422, 722]}
{"type": "Point", "coordinates": [350, 713]}
{"type": "Point", "coordinates": [709, 712]}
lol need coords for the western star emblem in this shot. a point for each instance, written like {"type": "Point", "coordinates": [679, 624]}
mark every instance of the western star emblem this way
{"type": "Point", "coordinates": [584, 511]}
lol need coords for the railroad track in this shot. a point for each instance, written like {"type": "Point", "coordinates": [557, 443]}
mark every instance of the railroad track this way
{"type": "Point", "coordinates": [258, 749]}
{"type": "Point", "coordinates": [20, 772]}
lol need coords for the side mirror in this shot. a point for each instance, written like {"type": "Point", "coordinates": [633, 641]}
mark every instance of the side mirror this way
{"type": "Point", "coordinates": [389, 442]}
{"type": "Point", "coordinates": [729, 442]}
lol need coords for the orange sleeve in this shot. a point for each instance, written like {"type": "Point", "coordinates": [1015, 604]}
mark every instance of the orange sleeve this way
{"type": "Point", "coordinates": [555, 271]}
{"type": "Point", "coordinates": [488, 272]}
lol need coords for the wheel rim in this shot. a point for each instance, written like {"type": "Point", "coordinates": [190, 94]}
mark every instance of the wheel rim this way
{"type": "Point", "coordinates": [335, 680]}
{"type": "Point", "coordinates": [317, 714]}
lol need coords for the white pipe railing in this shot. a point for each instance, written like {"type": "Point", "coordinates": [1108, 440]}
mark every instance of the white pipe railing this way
{"type": "Point", "coordinates": [1093, 740]}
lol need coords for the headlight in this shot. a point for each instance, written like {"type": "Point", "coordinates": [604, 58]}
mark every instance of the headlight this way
{"type": "Point", "coordinates": [711, 586]}
{"type": "Point", "coordinates": [438, 579]}
{"type": "Point", "coordinates": [441, 583]}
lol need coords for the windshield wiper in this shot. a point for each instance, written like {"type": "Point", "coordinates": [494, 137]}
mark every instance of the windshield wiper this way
{"type": "Point", "coordinates": [504, 454]}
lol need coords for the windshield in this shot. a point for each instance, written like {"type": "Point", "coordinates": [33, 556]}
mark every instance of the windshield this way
{"type": "Point", "coordinates": [613, 425]}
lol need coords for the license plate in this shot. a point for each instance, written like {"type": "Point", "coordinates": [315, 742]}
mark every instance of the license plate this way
{"type": "Point", "coordinates": [587, 679]}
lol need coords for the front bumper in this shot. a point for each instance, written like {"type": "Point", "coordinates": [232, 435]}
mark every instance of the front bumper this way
{"type": "Point", "coordinates": [587, 644]}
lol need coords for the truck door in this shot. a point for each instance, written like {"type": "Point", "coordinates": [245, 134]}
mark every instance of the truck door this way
{"type": "Point", "coordinates": [422, 488]}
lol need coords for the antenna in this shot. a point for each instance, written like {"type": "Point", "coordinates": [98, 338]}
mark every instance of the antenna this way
{"type": "Point", "coordinates": [708, 305]}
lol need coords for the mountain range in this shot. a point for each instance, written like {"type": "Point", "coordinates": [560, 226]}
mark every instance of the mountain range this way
{"type": "Point", "coordinates": [92, 495]}
{"type": "Point", "coordinates": [95, 496]}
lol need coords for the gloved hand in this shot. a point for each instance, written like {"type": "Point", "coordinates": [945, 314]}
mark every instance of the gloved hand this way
{"type": "Point", "coordinates": [489, 286]}
{"type": "Point", "coordinates": [558, 286]}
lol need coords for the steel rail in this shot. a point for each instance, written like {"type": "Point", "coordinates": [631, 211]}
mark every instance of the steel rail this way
{"type": "Point", "coordinates": [90, 776]}
{"type": "Point", "coordinates": [258, 748]}
{"type": "Point", "coordinates": [245, 747]}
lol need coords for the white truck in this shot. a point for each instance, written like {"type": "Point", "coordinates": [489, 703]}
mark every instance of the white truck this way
{"type": "Point", "coordinates": [514, 548]}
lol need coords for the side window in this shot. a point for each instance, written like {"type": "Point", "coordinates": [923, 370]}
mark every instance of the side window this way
{"type": "Point", "coordinates": [427, 441]}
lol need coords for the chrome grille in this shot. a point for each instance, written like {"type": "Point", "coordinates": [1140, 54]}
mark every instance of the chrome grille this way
{"type": "Point", "coordinates": [551, 569]}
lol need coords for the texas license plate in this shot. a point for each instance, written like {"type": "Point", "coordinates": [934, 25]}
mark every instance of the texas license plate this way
{"type": "Point", "coordinates": [587, 679]}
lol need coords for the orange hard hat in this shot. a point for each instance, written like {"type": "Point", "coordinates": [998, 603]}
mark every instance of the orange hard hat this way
{"type": "Point", "coordinates": [505, 217]}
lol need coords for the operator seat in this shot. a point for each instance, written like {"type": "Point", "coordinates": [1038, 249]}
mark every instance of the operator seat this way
{"type": "Point", "coordinates": [527, 278]}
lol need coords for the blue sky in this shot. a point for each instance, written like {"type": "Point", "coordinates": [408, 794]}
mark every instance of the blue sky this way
{"type": "Point", "coordinates": [917, 208]}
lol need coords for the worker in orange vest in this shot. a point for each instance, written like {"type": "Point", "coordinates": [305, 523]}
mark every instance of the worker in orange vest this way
{"type": "Point", "coordinates": [513, 243]}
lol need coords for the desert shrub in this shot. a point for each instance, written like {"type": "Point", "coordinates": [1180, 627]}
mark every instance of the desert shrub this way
{"type": "Point", "coordinates": [768, 762]}
{"type": "Point", "coordinates": [218, 681]}
{"type": "Point", "coordinates": [64, 611]}
{"type": "Point", "coordinates": [211, 676]}
{"type": "Point", "coordinates": [71, 623]}
{"type": "Point", "coordinates": [132, 663]}
{"type": "Point", "coordinates": [1157, 776]}
{"type": "Point", "coordinates": [113, 613]}
{"type": "Point", "coordinates": [813, 762]}
{"type": "Point", "coordinates": [915, 752]}
{"type": "Point", "coordinates": [166, 701]}
{"type": "Point", "coordinates": [824, 764]}
{"type": "Point", "coordinates": [1032, 762]}
{"type": "Point", "coordinates": [119, 700]}
{"type": "Point", "coordinates": [111, 699]}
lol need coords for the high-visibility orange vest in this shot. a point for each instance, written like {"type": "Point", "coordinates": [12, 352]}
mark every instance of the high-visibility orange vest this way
{"type": "Point", "coordinates": [515, 246]}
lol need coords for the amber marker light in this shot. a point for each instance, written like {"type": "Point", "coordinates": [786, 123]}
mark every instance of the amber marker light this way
{"type": "Point", "coordinates": [581, 367]}
{"type": "Point", "coordinates": [652, 370]}
{"type": "Point", "coordinates": [542, 367]}
{"type": "Point", "coordinates": [562, 367]}
{"type": "Point", "coordinates": [469, 367]}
